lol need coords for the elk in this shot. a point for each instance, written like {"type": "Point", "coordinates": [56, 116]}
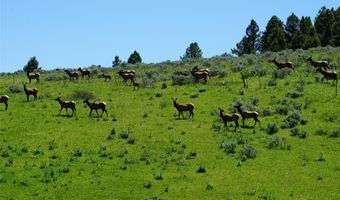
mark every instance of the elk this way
{"type": "Point", "coordinates": [4, 99]}
{"type": "Point", "coordinates": [328, 74]}
{"type": "Point", "coordinates": [246, 114]}
{"type": "Point", "coordinates": [196, 69]}
{"type": "Point", "coordinates": [95, 106]}
{"type": "Point", "coordinates": [199, 75]}
{"type": "Point", "coordinates": [32, 75]}
{"type": "Point", "coordinates": [30, 91]}
{"type": "Point", "coordinates": [318, 64]}
{"type": "Point", "coordinates": [135, 84]}
{"type": "Point", "coordinates": [85, 72]}
{"type": "Point", "coordinates": [229, 117]}
{"type": "Point", "coordinates": [106, 77]}
{"type": "Point", "coordinates": [283, 65]}
{"type": "Point", "coordinates": [183, 107]}
{"type": "Point", "coordinates": [72, 75]}
{"type": "Point", "coordinates": [66, 104]}
{"type": "Point", "coordinates": [127, 75]}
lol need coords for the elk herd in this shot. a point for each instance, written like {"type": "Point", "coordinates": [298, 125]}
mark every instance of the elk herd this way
{"type": "Point", "coordinates": [198, 73]}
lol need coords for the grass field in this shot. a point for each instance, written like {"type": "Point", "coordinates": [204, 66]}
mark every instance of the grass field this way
{"type": "Point", "coordinates": [141, 151]}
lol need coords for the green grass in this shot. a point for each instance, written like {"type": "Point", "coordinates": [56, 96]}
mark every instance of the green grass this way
{"type": "Point", "coordinates": [43, 155]}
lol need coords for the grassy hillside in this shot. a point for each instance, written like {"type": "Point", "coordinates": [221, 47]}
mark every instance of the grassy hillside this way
{"type": "Point", "coordinates": [141, 151]}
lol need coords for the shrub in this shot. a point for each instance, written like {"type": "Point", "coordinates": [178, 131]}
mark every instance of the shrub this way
{"type": "Point", "coordinates": [210, 186]}
{"type": "Point", "coordinates": [272, 82]}
{"type": "Point", "coordinates": [294, 94]}
{"type": "Point", "coordinates": [282, 110]}
{"type": "Point", "coordinates": [77, 152]}
{"type": "Point", "coordinates": [159, 94]}
{"type": "Point", "coordinates": [321, 131]}
{"type": "Point", "coordinates": [111, 134]}
{"type": "Point", "coordinates": [191, 155]}
{"type": "Point", "coordinates": [217, 71]}
{"type": "Point", "coordinates": [229, 146]}
{"type": "Point", "coordinates": [271, 128]}
{"type": "Point", "coordinates": [201, 169]}
{"type": "Point", "coordinates": [320, 157]}
{"type": "Point", "coordinates": [15, 89]}
{"type": "Point", "coordinates": [281, 73]}
{"type": "Point", "coordinates": [147, 184]}
{"type": "Point", "coordinates": [82, 94]}
{"type": "Point", "coordinates": [158, 176]}
{"type": "Point", "coordinates": [248, 151]}
{"type": "Point", "coordinates": [124, 134]}
{"type": "Point", "coordinates": [164, 85]}
{"type": "Point", "coordinates": [131, 140]}
{"type": "Point", "coordinates": [297, 132]}
{"type": "Point", "coordinates": [292, 120]}
{"type": "Point", "coordinates": [266, 112]}
{"type": "Point", "coordinates": [255, 100]}
{"type": "Point", "coordinates": [275, 142]}
{"type": "Point", "coordinates": [334, 133]}
{"type": "Point", "coordinates": [180, 79]}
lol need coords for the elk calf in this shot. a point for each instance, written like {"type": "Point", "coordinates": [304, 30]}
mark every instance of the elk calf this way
{"type": "Point", "coordinates": [246, 114]}
{"type": "Point", "coordinates": [4, 99]}
{"type": "Point", "coordinates": [66, 104]}
{"type": "Point", "coordinates": [183, 107]}
{"type": "Point", "coordinates": [95, 106]}
{"type": "Point", "coordinates": [229, 117]}
{"type": "Point", "coordinates": [106, 77]}
{"type": "Point", "coordinates": [30, 91]}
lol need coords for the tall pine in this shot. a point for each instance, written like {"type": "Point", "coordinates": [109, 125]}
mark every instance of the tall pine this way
{"type": "Point", "coordinates": [337, 27]}
{"type": "Point", "coordinates": [310, 37]}
{"type": "Point", "coordinates": [273, 38]}
{"type": "Point", "coordinates": [292, 31]}
{"type": "Point", "coordinates": [324, 24]}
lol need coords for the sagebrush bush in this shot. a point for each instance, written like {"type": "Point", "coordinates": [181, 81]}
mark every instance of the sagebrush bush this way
{"type": "Point", "coordinates": [280, 73]}
{"type": "Point", "coordinates": [292, 120]}
{"type": "Point", "coordinates": [180, 79]}
{"type": "Point", "coordinates": [334, 133]}
{"type": "Point", "coordinates": [271, 128]}
{"type": "Point", "coordinates": [229, 146]}
{"type": "Point", "coordinates": [282, 110]}
{"type": "Point", "coordinates": [217, 71]}
{"type": "Point", "coordinates": [82, 94]}
{"type": "Point", "coordinates": [15, 89]}
{"type": "Point", "coordinates": [321, 131]}
{"type": "Point", "coordinates": [294, 94]}
{"type": "Point", "coordinates": [201, 169]}
{"type": "Point", "coordinates": [248, 151]}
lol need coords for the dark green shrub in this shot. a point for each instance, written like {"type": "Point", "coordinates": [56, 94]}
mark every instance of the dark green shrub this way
{"type": "Point", "coordinates": [164, 85]}
{"type": "Point", "coordinates": [321, 131]}
{"type": "Point", "coordinates": [334, 133]}
{"type": "Point", "coordinates": [272, 82]}
{"type": "Point", "coordinates": [266, 112]}
{"type": "Point", "coordinates": [210, 186]}
{"type": "Point", "coordinates": [201, 169]}
{"type": "Point", "coordinates": [294, 94]}
{"type": "Point", "coordinates": [292, 120]}
{"type": "Point", "coordinates": [248, 151]}
{"type": "Point", "coordinates": [77, 152]}
{"type": "Point", "coordinates": [282, 110]}
{"type": "Point", "coordinates": [15, 89]}
{"type": "Point", "coordinates": [124, 134]}
{"type": "Point", "coordinates": [158, 176]}
{"type": "Point", "coordinates": [180, 79]}
{"type": "Point", "coordinates": [217, 71]}
{"type": "Point", "coordinates": [147, 184]}
{"type": "Point", "coordinates": [271, 128]}
{"type": "Point", "coordinates": [82, 94]}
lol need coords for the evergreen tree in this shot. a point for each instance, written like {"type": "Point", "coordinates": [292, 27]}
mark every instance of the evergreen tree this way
{"type": "Point", "coordinates": [249, 43]}
{"type": "Point", "coordinates": [291, 29]}
{"type": "Point", "coordinates": [31, 65]}
{"type": "Point", "coordinates": [116, 61]}
{"type": "Point", "coordinates": [310, 37]}
{"type": "Point", "coordinates": [193, 51]}
{"type": "Point", "coordinates": [273, 38]}
{"type": "Point", "coordinates": [134, 58]}
{"type": "Point", "coordinates": [337, 27]}
{"type": "Point", "coordinates": [324, 24]}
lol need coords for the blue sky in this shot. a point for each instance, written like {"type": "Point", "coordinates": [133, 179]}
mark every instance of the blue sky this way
{"type": "Point", "coordinates": [73, 33]}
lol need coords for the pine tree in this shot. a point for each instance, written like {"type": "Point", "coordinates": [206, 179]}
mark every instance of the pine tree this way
{"type": "Point", "coordinates": [291, 29]}
{"type": "Point", "coordinates": [324, 24]}
{"type": "Point", "coordinates": [337, 27]}
{"type": "Point", "coordinates": [310, 37]}
{"type": "Point", "coordinates": [273, 38]}
{"type": "Point", "coordinates": [116, 61]}
{"type": "Point", "coordinates": [249, 43]}
{"type": "Point", "coordinates": [134, 58]}
{"type": "Point", "coordinates": [193, 51]}
{"type": "Point", "coordinates": [31, 65]}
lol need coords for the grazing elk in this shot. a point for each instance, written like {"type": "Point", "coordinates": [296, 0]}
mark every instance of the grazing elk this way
{"type": "Point", "coordinates": [32, 75]}
{"type": "Point", "coordinates": [246, 114]}
{"type": "Point", "coordinates": [318, 64]}
{"type": "Point", "coordinates": [4, 99]}
{"type": "Point", "coordinates": [199, 75]}
{"type": "Point", "coordinates": [229, 117]}
{"type": "Point", "coordinates": [66, 104]}
{"type": "Point", "coordinates": [30, 91]}
{"type": "Point", "coordinates": [127, 75]}
{"type": "Point", "coordinates": [72, 75]}
{"type": "Point", "coordinates": [328, 74]}
{"type": "Point", "coordinates": [106, 77]}
{"type": "Point", "coordinates": [183, 107]}
{"type": "Point", "coordinates": [283, 65]}
{"type": "Point", "coordinates": [95, 106]}
{"type": "Point", "coordinates": [85, 72]}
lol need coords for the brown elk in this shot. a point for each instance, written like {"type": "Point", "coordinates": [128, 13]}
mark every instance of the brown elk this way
{"type": "Point", "coordinates": [85, 72]}
{"type": "Point", "coordinates": [199, 75]}
{"type": "Point", "coordinates": [95, 106]}
{"type": "Point", "coordinates": [246, 114]}
{"type": "Point", "coordinates": [66, 104]}
{"type": "Point", "coordinates": [183, 107]}
{"type": "Point", "coordinates": [318, 64]}
{"type": "Point", "coordinates": [4, 99]}
{"type": "Point", "coordinates": [30, 91]}
{"type": "Point", "coordinates": [127, 75]}
{"type": "Point", "coordinates": [280, 65]}
{"type": "Point", "coordinates": [229, 117]}
{"type": "Point", "coordinates": [328, 74]}
{"type": "Point", "coordinates": [200, 69]}
{"type": "Point", "coordinates": [72, 75]}
{"type": "Point", "coordinates": [32, 75]}
{"type": "Point", "coordinates": [106, 77]}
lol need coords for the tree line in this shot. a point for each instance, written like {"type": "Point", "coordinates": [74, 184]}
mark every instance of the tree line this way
{"type": "Point", "coordinates": [294, 34]}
